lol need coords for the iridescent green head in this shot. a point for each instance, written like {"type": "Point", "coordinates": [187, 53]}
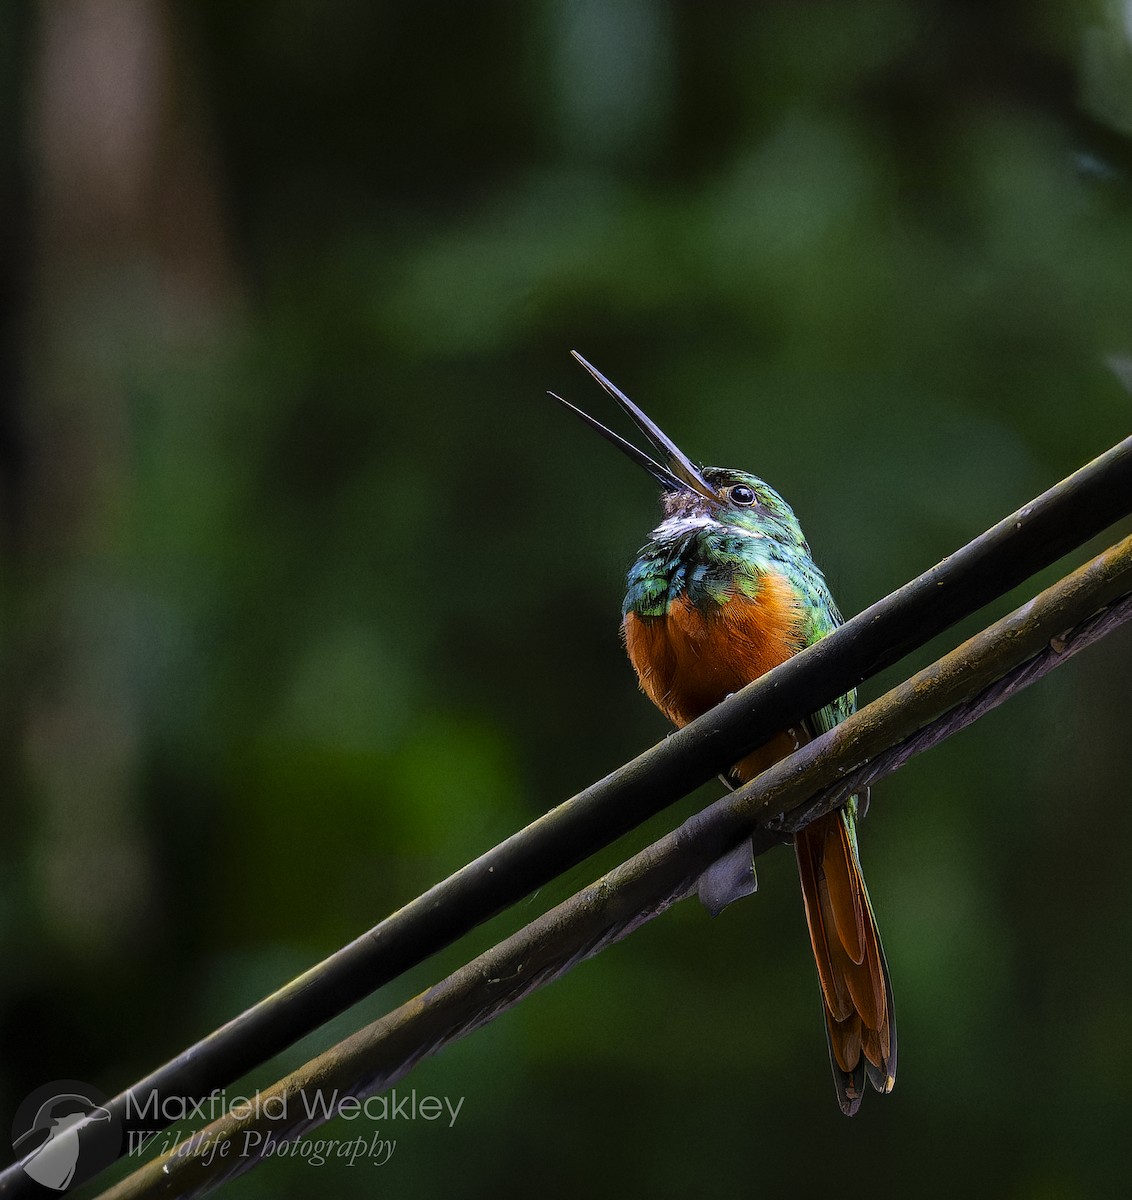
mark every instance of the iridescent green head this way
{"type": "Point", "coordinates": [741, 503]}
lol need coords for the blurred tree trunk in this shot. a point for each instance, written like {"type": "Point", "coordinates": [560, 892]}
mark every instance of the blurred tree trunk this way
{"type": "Point", "coordinates": [129, 263]}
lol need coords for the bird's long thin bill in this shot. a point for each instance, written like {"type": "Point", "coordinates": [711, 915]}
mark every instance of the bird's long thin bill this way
{"type": "Point", "coordinates": [661, 474]}
{"type": "Point", "coordinates": [679, 463]}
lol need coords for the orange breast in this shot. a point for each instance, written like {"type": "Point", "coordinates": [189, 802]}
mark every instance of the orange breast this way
{"type": "Point", "coordinates": [689, 660]}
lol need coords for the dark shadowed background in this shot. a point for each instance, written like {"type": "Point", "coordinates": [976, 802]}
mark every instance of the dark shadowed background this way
{"type": "Point", "coordinates": [309, 594]}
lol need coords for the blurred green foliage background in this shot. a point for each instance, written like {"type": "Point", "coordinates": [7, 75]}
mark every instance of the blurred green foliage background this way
{"type": "Point", "coordinates": [310, 595]}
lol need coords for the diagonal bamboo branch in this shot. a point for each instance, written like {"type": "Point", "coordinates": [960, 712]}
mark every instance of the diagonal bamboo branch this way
{"type": "Point", "coordinates": [935, 703]}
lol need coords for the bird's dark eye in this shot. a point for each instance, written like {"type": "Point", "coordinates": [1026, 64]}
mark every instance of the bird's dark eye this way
{"type": "Point", "coordinates": [742, 495]}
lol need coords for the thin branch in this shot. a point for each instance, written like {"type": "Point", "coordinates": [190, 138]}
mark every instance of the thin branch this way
{"type": "Point", "coordinates": [934, 704]}
{"type": "Point", "coordinates": [1030, 539]}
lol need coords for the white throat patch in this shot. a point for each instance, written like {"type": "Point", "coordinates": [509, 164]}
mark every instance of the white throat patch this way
{"type": "Point", "coordinates": [678, 527]}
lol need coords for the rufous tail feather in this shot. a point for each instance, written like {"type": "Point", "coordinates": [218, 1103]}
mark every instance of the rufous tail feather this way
{"type": "Point", "coordinates": [855, 988]}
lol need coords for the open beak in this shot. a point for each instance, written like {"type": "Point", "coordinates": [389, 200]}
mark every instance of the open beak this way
{"type": "Point", "coordinates": [677, 474]}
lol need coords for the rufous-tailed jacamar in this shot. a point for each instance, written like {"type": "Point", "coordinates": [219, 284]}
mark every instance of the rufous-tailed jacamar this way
{"type": "Point", "coordinates": [724, 590]}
